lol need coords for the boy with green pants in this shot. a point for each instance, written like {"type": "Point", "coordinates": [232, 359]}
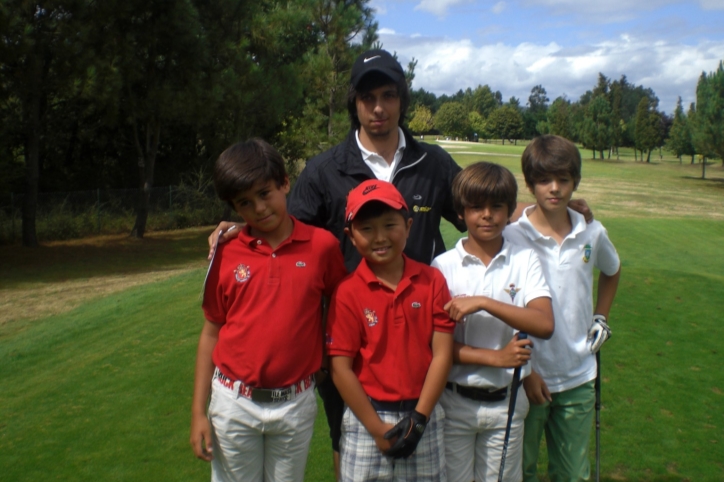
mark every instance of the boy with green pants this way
{"type": "Point", "coordinates": [561, 387]}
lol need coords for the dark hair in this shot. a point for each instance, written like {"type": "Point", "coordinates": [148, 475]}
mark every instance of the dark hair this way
{"type": "Point", "coordinates": [550, 155]}
{"type": "Point", "coordinates": [481, 183]}
{"type": "Point", "coordinates": [374, 209]}
{"type": "Point", "coordinates": [242, 165]}
{"type": "Point", "coordinates": [372, 81]}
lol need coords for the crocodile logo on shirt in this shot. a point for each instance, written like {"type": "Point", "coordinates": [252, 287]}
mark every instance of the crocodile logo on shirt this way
{"type": "Point", "coordinates": [242, 273]}
{"type": "Point", "coordinates": [512, 291]}
{"type": "Point", "coordinates": [370, 317]}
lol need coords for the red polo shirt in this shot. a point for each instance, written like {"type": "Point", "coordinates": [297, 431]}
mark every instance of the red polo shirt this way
{"type": "Point", "coordinates": [389, 333]}
{"type": "Point", "coordinates": [268, 302]}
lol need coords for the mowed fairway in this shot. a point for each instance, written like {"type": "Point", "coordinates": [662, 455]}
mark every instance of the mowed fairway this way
{"type": "Point", "coordinates": [98, 388]}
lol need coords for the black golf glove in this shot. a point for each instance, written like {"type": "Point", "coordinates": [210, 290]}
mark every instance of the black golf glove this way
{"type": "Point", "coordinates": [408, 431]}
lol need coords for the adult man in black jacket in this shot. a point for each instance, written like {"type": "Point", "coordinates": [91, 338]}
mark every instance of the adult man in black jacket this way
{"type": "Point", "coordinates": [377, 146]}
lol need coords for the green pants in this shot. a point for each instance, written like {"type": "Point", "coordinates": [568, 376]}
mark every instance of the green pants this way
{"type": "Point", "coordinates": [567, 422]}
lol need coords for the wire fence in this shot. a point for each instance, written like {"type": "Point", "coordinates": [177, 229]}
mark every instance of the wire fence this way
{"type": "Point", "coordinates": [68, 215]}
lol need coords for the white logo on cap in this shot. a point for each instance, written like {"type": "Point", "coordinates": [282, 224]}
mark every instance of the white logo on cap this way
{"type": "Point", "coordinates": [371, 58]}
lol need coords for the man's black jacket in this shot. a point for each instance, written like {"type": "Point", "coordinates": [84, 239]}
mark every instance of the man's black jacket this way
{"type": "Point", "coordinates": [423, 176]}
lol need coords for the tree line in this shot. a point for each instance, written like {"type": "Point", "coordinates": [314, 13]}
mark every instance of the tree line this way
{"type": "Point", "coordinates": [116, 94]}
{"type": "Point", "coordinates": [613, 114]}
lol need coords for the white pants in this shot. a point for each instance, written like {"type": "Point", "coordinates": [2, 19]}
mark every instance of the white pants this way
{"type": "Point", "coordinates": [474, 435]}
{"type": "Point", "coordinates": [260, 441]}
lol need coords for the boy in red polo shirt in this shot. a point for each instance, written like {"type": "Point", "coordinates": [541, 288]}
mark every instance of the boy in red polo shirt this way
{"type": "Point", "coordinates": [262, 340]}
{"type": "Point", "coordinates": [390, 343]}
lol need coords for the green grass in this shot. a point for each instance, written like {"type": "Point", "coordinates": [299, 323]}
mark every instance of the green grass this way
{"type": "Point", "coordinates": [103, 392]}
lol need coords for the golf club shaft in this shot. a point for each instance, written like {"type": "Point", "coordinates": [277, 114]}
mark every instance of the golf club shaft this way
{"type": "Point", "coordinates": [511, 411]}
{"type": "Point", "coordinates": [598, 415]}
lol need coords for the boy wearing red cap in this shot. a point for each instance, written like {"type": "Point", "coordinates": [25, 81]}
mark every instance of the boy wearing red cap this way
{"type": "Point", "coordinates": [390, 343]}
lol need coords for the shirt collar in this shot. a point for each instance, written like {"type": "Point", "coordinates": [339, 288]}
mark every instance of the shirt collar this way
{"type": "Point", "coordinates": [467, 258]}
{"type": "Point", "coordinates": [578, 224]}
{"type": "Point", "coordinates": [411, 270]}
{"type": "Point", "coordinates": [300, 232]}
{"type": "Point", "coordinates": [366, 154]}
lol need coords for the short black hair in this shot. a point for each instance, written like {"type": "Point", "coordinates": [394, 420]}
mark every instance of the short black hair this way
{"type": "Point", "coordinates": [481, 183]}
{"type": "Point", "coordinates": [244, 164]}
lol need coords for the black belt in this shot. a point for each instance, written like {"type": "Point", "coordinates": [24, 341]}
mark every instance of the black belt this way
{"type": "Point", "coordinates": [400, 406]}
{"type": "Point", "coordinates": [478, 394]}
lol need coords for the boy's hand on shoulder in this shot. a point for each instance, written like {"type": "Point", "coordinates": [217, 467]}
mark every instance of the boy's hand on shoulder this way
{"type": "Point", "coordinates": [581, 206]}
{"type": "Point", "coordinates": [516, 353]}
{"type": "Point", "coordinates": [224, 232]}
{"type": "Point", "coordinates": [201, 437]}
{"type": "Point", "coordinates": [457, 308]}
{"type": "Point", "coordinates": [536, 389]}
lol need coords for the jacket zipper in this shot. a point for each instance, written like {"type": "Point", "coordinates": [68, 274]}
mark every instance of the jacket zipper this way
{"type": "Point", "coordinates": [407, 167]}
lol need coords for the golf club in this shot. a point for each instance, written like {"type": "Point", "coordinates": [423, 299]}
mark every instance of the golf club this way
{"type": "Point", "coordinates": [511, 411]}
{"type": "Point", "coordinates": [598, 415]}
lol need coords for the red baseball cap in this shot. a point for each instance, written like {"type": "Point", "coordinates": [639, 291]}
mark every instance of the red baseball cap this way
{"type": "Point", "coordinates": [373, 190]}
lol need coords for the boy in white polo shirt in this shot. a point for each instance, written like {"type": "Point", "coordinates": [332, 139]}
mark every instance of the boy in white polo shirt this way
{"type": "Point", "coordinates": [498, 289]}
{"type": "Point", "coordinates": [561, 387]}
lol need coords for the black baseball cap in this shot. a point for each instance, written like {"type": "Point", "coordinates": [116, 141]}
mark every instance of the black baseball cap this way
{"type": "Point", "coordinates": [376, 61]}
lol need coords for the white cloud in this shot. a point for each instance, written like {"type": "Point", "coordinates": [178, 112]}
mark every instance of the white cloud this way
{"type": "Point", "coordinates": [386, 31]}
{"type": "Point", "coordinates": [440, 7]}
{"type": "Point", "coordinates": [446, 66]}
{"type": "Point", "coordinates": [498, 7]}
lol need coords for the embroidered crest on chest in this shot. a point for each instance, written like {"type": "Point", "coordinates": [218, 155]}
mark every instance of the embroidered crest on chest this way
{"type": "Point", "coordinates": [242, 273]}
{"type": "Point", "coordinates": [512, 291]}
{"type": "Point", "coordinates": [587, 253]}
{"type": "Point", "coordinates": [370, 317]}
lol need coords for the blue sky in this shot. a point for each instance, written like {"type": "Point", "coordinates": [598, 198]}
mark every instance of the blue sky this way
{"type": "Point", "coordinates": [513, 45]}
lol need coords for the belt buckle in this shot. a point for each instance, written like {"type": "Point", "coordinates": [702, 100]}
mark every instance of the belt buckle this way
{"type": "Point", "coordinates": [261, 395]}
{"type": "Point", "coordinates": [281, 394]}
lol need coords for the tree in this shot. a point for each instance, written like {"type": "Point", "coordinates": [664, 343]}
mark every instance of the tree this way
{"type": "Point", "coordinates": [506, 123]}
{"type": "Point", "coordinates": [691, 121]}
{"type": "Point", "coordinates": [477, 126]}
{"type": "Point", "coordinates": [647, 128]}
{"type": "Point", "coordinates": [709, 124]}
{"type": "Point", "coordinates": [559, 118]}
{"type": "Point", "coordinates": [485, 101]}
{"type": "Point", "coordinates": [42, 61]}
{"type": "Point", "coordinates": [452, 119]}
{"type": "Point", "coordinates": [421, 121]}
{"type": "Point", "coordinates": [535, 114]}
{"type": "Point", "coordinates": [597, 125]}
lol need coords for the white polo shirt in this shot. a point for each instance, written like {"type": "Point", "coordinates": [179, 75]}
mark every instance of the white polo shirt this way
{"type": "Point", "coordinates": [377, 163]}
{"type": "Point", "coordinates": [514, 276]}
{"type": "Point", "coordinates": [565, 361]}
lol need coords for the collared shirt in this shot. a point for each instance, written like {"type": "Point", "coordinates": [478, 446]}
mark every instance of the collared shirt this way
{"type": "Point", "coordinates": [268, 303]}
{"type": "Point", "coordinates": [379, 166]}
{"type": "Point", "coordinates": [513, 276]}
{"type": "Point", "coordinates": [565, 361]}
{"type": "Point", "coordinates": [388, 333]}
